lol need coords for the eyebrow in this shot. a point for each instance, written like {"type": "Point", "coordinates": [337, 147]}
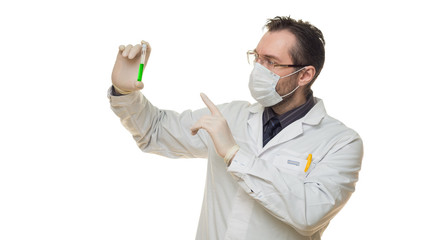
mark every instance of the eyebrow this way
{"type": "Point", "coordinates": [269, 56]}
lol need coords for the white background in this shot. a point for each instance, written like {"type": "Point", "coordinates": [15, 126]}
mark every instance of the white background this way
{"type": "Point", "coordinates": [69, 170]}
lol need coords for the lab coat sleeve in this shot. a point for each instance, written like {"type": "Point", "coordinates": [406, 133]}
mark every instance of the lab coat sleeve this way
{"type": "Point", "coordinates": [307, 203]}
{"type": "Point", "coordinates": [157, 131]}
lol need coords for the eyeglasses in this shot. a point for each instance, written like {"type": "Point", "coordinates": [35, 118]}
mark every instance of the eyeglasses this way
{"type": "Point", "coordinates": [267, 62]}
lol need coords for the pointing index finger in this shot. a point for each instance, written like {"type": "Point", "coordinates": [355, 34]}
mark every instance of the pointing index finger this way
{"type": "Point", "coordinates": [214, 110]}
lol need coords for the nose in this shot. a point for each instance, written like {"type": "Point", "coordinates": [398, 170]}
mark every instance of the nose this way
{"type": "Point", "coordinates": [259, 60]}
{"type": "Point", "coordinates": [263, 62]}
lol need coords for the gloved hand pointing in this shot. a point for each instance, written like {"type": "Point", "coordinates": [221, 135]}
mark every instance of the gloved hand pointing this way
{"type": "Point", "coordinates": [217, 127]}
{"type": "Point", "coordinates": [125, 71]}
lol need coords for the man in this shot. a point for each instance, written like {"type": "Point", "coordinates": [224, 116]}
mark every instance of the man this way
{"type": "Point", "coordinates": [277, 169]}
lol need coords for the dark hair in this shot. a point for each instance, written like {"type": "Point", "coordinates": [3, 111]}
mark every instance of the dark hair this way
{"type": "Point", "coordinates": [310, 46]}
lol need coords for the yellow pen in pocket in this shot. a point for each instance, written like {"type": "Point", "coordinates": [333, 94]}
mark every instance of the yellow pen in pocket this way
{"type": "Point", "coordinates": [308, 162]}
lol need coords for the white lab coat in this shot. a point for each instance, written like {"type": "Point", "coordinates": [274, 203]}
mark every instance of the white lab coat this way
{"type": "Point", "coordinates": [265, 192]}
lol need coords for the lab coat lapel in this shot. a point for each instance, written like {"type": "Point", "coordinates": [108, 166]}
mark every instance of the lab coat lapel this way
{"type": "Point", "coordinates": [255, 126]}
{"type": "Point", "coordinates": [313, 117]}
{"type": "Point", "coordinates": [290, 132]}
{"type": "Point", "coordinates": [255, 131]}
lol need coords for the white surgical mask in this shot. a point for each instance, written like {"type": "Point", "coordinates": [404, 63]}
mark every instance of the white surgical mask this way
{"type": "Point", "coordinates": [262, 84]}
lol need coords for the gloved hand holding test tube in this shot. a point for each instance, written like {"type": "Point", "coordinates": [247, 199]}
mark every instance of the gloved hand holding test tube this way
{"type": "Point", "coordinates": [130, 64]}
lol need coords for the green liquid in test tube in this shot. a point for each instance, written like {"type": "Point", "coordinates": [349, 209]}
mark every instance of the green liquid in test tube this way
{"type": "Point", "coordinates": [141, 69]}
{"type": "Point", "coordinates": [141, 65]}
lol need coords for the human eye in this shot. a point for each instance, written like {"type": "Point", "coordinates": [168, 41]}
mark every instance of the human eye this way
{"type": "Point", "coordinates": [270, 62]}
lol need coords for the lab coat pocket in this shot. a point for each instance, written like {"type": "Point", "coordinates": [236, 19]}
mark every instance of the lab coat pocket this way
{"type": "Point", "coordinates": [290, 165]}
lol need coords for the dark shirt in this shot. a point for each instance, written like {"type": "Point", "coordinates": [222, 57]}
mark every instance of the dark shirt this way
{"type": "Point", "coordinates": [287, 118]}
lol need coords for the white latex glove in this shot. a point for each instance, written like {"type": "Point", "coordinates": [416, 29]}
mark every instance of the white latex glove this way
{"type": "Point", "coordinates": [217, 127]}
{"type": "Point", "coordinates": [125, 71]}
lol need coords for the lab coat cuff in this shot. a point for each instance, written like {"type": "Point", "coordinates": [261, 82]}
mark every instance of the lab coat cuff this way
{"type": "Point", "coordinates": [239, 167]}
{"type": "Point", "coordinates": [241, 162]}
{"type": "Point", "coordinates": [124, 100]}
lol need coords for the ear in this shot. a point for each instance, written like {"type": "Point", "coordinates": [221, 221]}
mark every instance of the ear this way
{"type": "Point", "coordinates": [306, 76]}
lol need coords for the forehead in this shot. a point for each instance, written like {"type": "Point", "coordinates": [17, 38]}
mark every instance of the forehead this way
{"type": "Point", "coordinates": [276, 44]}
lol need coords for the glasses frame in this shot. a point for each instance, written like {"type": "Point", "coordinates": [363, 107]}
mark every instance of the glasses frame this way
{"type": "Point", "coordinates": [269, 62]}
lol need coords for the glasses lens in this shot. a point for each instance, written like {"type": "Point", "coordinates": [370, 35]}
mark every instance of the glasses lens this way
{"type": "Point", "coordinates": [251, 57]}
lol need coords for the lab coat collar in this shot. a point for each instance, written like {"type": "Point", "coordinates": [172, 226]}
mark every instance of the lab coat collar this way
{"type": "Point", "coordinates": [313, 117]}
{"type": "Point", "coordinates": [316, 114]}
{"type": "Point", "coordinates": [256, 108]}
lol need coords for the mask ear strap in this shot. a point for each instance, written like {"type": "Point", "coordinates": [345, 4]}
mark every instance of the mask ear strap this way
{"type": "Point", "coordinates": [290, 92]}
{"type": "Point", "coordinates": [293, 72]}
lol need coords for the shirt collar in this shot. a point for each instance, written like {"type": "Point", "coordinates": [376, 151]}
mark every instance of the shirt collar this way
{"type": "Point", "coordinates": [289, 116]}
{"type": "Point", "coordinates": [313, 117]}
